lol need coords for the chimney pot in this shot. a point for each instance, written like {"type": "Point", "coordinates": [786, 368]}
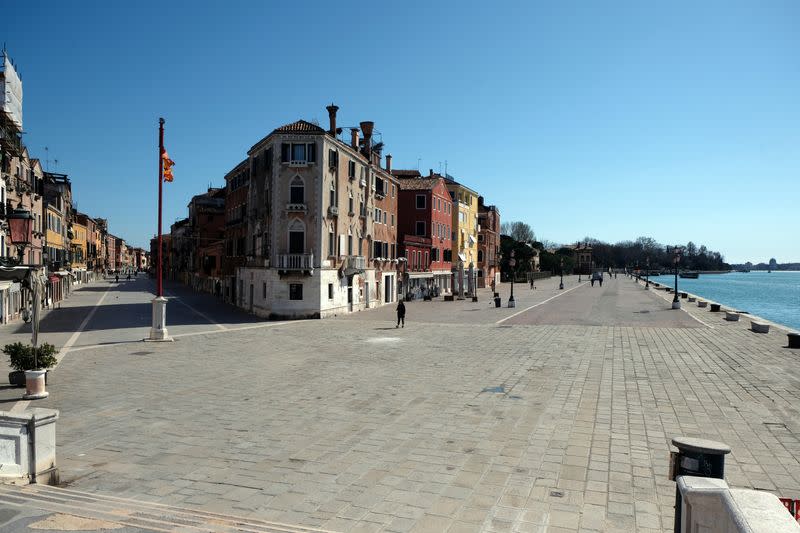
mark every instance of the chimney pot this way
{"type": "Point", "coordinates": [332, 109]}
{"type": "Point", "coordinates": [389, 163]}
{"type": "Point", "coordinates": [366, 127]}
{"type": "Point", "coordinates": [354, 138]}
{"type": "Point", "coordinates": [431, 173]}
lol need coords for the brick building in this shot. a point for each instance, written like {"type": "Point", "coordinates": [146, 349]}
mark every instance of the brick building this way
{"type": "Point", "coordinates": [488, 244]}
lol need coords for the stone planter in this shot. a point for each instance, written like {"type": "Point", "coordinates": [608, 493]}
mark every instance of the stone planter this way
{"type": "Point", "coordinates": [715, 308]}
{"type": "Point", "coordinates": [692, 299]}
{"type": "Point", "coordinates": [17, 378]}
{"type": "Point", "coordinates": [759, 327]}
{"type": "Point", "coordinates": [730, 316]}
{"type": "Point", "coordinates": [701, 303]}
{"type": "Point", "coordinates": [35, 385]}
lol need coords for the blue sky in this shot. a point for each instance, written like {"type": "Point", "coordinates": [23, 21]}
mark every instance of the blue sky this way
{"type": "Point", "coordinates": [612, 120]}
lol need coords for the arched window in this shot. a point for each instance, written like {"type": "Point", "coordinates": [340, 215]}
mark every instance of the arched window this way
{"type": "Point", "coordinates": [297, 237]}
{"type": "Point", "coordinates": [480, 256]}
{"type": "Point", "coordinates": [297, 191]}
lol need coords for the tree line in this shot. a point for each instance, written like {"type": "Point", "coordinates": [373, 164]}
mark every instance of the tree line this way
{"type": "Point", "coordinates": [520, 237]}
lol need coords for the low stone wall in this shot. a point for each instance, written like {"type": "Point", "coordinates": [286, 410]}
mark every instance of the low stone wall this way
{"type": "Point", "coordinates": [710, 506]}
{"type": "Point", "coordinates": [28, 446]}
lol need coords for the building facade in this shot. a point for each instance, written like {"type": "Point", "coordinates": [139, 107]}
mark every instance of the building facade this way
{"type": "Point", "coordinates": [464, 235]}
{"type": "Point", "coordinates": [488, 244]}
{"type": "Point", "coordinates": [322, 232]}
{"type": "Point", "coordinates": [237, 184]}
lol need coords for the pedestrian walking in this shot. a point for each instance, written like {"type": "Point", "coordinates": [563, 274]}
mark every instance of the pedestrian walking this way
{"type": "Point", "coordinates": [531, 282]}
{"type": "Point", "coordinates": [401, 314]}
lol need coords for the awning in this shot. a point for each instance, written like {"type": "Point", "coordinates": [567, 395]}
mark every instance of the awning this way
{"type": "Point", "coordinates": [463, 257]}
{"type": "Point", "coordinates": [472, 239]}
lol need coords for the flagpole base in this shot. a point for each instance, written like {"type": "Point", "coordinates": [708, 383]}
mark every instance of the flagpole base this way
{"type": "Point", "coordinates": [158, 331]}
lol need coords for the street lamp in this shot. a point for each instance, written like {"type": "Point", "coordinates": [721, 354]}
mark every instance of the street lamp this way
{"type": "Point", "coordinates": [512, 263]}
{"type": "Point", "coordinates": [676, 257]}
{"type": "Point", "coordinates": [561, 263]}
{"type": "Point", "coordinates": [20, 223]}
{"type": "Point", "coordinates": [647, 275]}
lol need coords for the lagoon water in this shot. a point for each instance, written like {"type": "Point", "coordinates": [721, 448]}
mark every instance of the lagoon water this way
{"type": "Point", "coordinates": [771, 295]}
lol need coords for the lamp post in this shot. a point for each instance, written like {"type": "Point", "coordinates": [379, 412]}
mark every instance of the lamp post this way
{"type": "Point", "coordinates": [676, 257]}
{"type": "Point", "coordinates": [511, 263]}
{"type": "Point", "coordinates": [20, 222]}
{"type": "Point", "coordinates": [561, 265]}
{"type": "Point", "coordinates": [647, 275]}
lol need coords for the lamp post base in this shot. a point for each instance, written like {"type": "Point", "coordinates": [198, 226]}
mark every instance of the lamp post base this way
{"type": "Point", "coordinates": [158, 332]}
{"type": "Point", "coordinates": [676, 305]}
{"type": "Point", "coordinates": [511, 302]}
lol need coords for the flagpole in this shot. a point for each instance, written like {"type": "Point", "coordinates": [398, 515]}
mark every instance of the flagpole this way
{"type": "Point", "coordinates": [159, 287]}
{"type": "Point", "coordinates": [158, 332]}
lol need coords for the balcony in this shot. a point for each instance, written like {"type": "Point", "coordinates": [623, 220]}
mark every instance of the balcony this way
{"type": "Point", "coordinates": [296, 262]}
{"type": "Point", "coordinates": [297, 208]}
{"type": "Point", "coordinates": [380, 194]}
{"type": "Point", "coordinates": [363, 182]}
{"type": "Point", "coordinates": [354, 264]}
{"type": "Point", "coordinates": [333, 211]}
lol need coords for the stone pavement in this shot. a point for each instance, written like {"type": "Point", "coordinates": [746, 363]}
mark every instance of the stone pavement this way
{"type": "Point", "coordinates": [349, 424]}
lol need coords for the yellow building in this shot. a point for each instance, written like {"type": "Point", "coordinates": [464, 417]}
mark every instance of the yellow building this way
{"type": "Point", "coordinates": [465, 233]}
{"type": "Point", "coordinates": [55, 238]}
{"type": "Point", "coordinates": [79, 247]}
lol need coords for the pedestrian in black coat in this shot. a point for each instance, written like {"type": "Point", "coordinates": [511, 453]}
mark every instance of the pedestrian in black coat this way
{"type": "Point", "coordinates": [401, 314]}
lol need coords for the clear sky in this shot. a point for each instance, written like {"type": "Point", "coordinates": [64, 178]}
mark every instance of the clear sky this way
{"type": "Point", "coordinates": [674, 120]}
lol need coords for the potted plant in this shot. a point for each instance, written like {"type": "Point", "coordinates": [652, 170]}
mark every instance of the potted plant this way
{"type": "Point", "coordinates": [21, 359]}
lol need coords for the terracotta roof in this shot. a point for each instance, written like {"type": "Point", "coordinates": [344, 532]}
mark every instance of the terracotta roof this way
{"type": "Point", "coordinates": [406, 173]}
{"type": "Point", "coordinates": [417, 184]}
{"type": "Point", "coordinates": [301, 126]}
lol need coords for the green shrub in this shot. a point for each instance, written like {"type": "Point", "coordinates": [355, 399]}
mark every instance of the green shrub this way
{"type": "Point", "coordinates": [20, 356]}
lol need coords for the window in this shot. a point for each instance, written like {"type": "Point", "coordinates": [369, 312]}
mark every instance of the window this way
{"type": "Point", "coordinates": [350, 205]}
{"type": "Point", "coordinates": [297, 191]}
{"type": "Point", "coordinates": [297, 237]}
{"type": "Point", "coordinates": [480, 256]}
{"type": "Point", "coordinates": [385, 253]}
{"type": "Point", "coordinates": [420, 201]}
{"type": "Point", "coordinates": [295, 291]}
{"type": "Point", "coordinates": [376, 249]}
{"type": "Point", "coordinates": [392, 219]}
{"type": "Point", "coordinates": [394, 251]}
{"type": "Point", "coordinates": [351, 169]}
{"type": "Point", "coordinates": [333, 194]}
{"type": "Point", "coordinates": [349, 245]}
{"type": "Point", "coordinates": [333, 159]}
{"type": "Point", "coordinates": [330, 291]}
{"type": "Point", "coordinates": [301, 153]}
{"type": "Point", "coordinates": [426, 263]}
{"type": "Point", "coordinates": [393, 190]}
{"type": "Point", "coordinates": [480, 237]}
{"type": "Point", "coordinates": [264, 291]}
{"type": "Point", "coordinates": [331, 243]}
{"type": "Point", "coordinates": [448, 255]}
{"type": "Point", "coordinates": [420, 228]}
{"type": "Point", "coordinates": [384, 217]}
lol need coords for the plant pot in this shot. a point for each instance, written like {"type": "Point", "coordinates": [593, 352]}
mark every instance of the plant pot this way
{"type": "Point", "coordinates": [35, 385]}
{"type": "Point", "coordinates": [17, 378]}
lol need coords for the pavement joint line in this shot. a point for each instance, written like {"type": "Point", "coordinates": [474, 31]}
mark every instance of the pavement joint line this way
{"type": "Point", "coordinates": [195, 311]}
{"type": "Point", "coordinates": [541, 303]}
{"type": "Point", "coordinates": [23, 404]}
{"type": "Point", "coordinates": [231, 330]}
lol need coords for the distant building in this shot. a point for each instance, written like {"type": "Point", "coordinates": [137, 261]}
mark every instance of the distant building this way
{"type": "Point", "coordinates": [488, 244]}
{"type": "Point", "coordinates": [237, 183]}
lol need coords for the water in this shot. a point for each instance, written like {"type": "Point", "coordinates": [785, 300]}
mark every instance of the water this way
{"type": "Point", "coordinates": [774, 296]}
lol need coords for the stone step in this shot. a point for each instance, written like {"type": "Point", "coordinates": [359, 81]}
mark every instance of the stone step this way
{"type": "Point", "coordinates": [137, 514]}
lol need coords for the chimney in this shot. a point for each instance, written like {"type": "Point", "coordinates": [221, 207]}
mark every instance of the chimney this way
{"type": "Point", "coordinates": [431, 173]}
{"type": "Point", "coordinates": [389, 163]}
{"type": "Point", "coordinates": [366, 127]}
{"type": "Point", "coordinates": [354, 138]}
{"type": "Point", "coordinates": [332, 109]}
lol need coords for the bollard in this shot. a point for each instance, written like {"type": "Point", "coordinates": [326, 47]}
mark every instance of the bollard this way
{"type": "Point", "coordinates": [794, 340]}
{"type": "Point", "coordinates": [715, 308]}
{"type": "Point", "coordinates": [497, 301]}
{"type": "Point", "coordinates": [695, 457]}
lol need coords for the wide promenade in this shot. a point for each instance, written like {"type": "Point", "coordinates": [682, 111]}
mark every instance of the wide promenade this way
{"type": "Point", "coordinates": [553, 416]}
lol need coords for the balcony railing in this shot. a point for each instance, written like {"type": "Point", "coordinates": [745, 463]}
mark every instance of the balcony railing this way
{"type": "Point", "coordinates": [296, 207]}
{"type": "Point", "coordinates": [296, 261]}
{"type": "Point", "coordinates": [354, 264]}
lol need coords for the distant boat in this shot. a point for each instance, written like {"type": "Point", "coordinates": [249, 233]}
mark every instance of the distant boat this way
{"type": "Point", "coordinates": [743, 270]}
{"type": "Point", "coordinates": [689, 274]}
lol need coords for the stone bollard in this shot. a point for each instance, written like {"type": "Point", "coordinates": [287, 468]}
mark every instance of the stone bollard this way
{"type": "Point", "coordinates": [731, 316]}
{"type": "Point", "coordinates": [701, 303]}
{"type": "Point", "coordinates": [715, 308]}
{"type": "Point", "coordinates": [692, 299]}
{"type": "Point", "coordinates": [759, 327]}
{"type": "Point", "coordinates": [29, 451]}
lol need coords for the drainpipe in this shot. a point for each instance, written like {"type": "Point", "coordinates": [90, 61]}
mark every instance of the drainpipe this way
{"type": "Point", "coordinates": [32, 444]}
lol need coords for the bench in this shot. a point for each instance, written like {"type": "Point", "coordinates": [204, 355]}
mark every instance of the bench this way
{"type": "Point", "coordinates": [759, 327]}
{"type": "Point", "coordinates": [731, 316]}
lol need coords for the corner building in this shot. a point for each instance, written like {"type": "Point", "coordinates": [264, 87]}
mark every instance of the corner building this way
{"type": "Point", "coordinates": [321, 223]}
